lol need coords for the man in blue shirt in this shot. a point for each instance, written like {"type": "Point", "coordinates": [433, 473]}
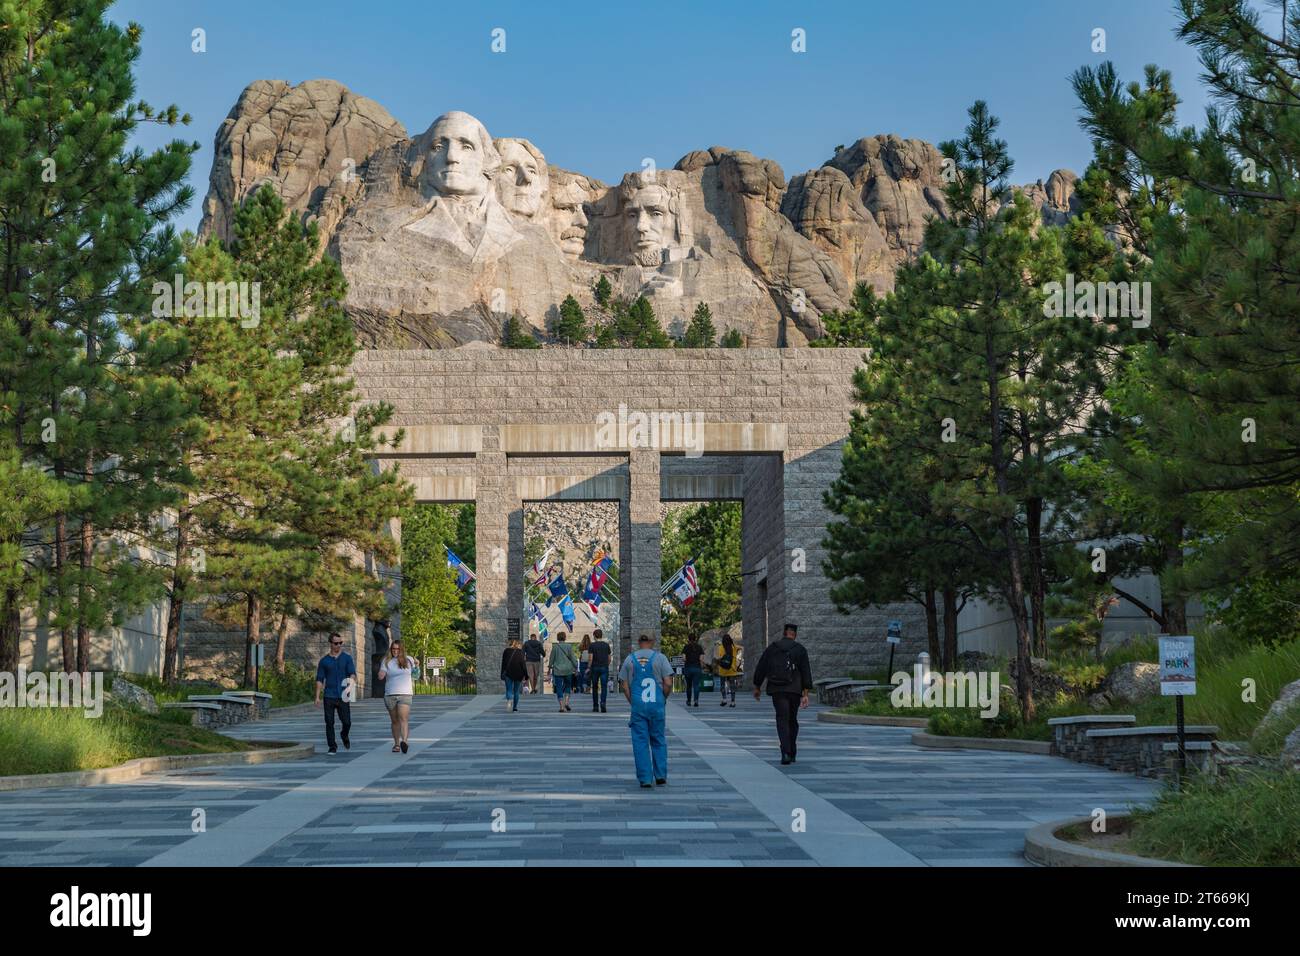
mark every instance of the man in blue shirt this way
{"type": "Point", "coordinates": [646, 678]}
{"type": "Point", "coordinates": [334, 668]}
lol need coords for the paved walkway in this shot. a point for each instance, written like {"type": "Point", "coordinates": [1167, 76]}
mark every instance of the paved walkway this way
{"type": "Point", "coordinates": [483, 786]}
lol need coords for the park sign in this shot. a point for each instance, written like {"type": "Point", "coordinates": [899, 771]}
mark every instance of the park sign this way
{"type": "Point", "coordinates": [1177, 665]}
{"type": "Point", "coordinates": [895, 633]}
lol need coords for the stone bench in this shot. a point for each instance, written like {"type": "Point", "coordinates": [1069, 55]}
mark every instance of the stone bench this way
{"type": "Point", "coordinates": [259, 697]}
{"type": "Point", "coordinates": [234, 710]}
{"type": "Point", "coordinates": [1141, 750]}
{"type": "Point", "coordinates": [203, 714]}
{"type": "Point", "coordinates": [1070, 734]}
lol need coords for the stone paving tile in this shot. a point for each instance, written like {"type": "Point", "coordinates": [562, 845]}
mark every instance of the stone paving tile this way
{"type": "Point", "coordinates": [564, 788]}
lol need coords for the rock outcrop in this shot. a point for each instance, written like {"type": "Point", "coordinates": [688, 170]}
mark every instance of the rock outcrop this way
{"type": "Point", "coordinates": [444, 236]}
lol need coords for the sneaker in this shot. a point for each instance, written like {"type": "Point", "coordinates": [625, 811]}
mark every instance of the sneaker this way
{"type": "Point", "coordinates": [347, 744]}
{"type": "Point", "coordinates": [595, 709]}
{"type": "Point", "coordinates": [647, 786]}
{"type": "Point", "coordinates": [785, 760]}
{"type": "Point", "coordinates": [723, 704]}
{"type": "Point", "coordinates": [733, 703]}
{"type": "Point", "coordinates": [568, 709]}
{"type": "Point", "coordinates": [332, 751]}
{"type": "Point", "coordinates": [405, 746]}
{"type": "Point", "coordinates": [602, 710]}
{"type": "Point", "coordinates": [697, 703]}
{"type": "Point", "coordinates": [660, 782]}
{"type": "Point", "coordinates": [508, 705]}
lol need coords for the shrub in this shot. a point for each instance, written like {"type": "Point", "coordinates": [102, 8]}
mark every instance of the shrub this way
{"type": "Point", "coordinates": [1247, 819]}
{"type": "Point", "coordinates": [296, 685]}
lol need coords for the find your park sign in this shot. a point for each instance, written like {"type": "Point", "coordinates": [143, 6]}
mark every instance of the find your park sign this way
{"type": "Point", "coordinates": [1177, 666]}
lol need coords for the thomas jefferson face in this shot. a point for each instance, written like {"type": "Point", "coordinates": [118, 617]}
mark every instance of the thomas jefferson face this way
{"type": "Point", "coordinates": [648, 221]}
{"type": "Point", "coordinates": [457, 164]}
{"type": "Point", "coordinates": [521, 181]}
{"type": "Point", "coordinates": [569, 221]}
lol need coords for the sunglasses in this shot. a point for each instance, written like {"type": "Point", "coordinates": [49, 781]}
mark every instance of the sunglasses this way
{"type": "Point", "coordinates": [336, 643]}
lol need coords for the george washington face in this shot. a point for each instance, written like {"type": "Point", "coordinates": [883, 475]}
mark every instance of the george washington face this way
{"type": "Point", "coordinates": [461, 156]}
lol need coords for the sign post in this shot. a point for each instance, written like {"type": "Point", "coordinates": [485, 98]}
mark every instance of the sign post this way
{"type": "Point", "coordinates": [1178, 680]}
{"type": "Point", "coordinates": [893, 637]}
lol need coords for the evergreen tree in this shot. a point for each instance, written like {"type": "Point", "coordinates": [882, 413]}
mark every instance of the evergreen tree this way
{"type": "Point", "coordinates": [1219, 402]}
{"type": "Point", "coordinates": [602, 291]}
{"type": "Point", "coordinates": [514, 335]}
{"type": "Point", "coordinates": [732, 339]}
{"type": "Point", "coordinates": [700, 333]}
{"type": "Point", "coordinates": [570, 327]}
{"type": "Point", "coordinates": [635, 326]}
{"type": "Point", "coordinates": [84, 237]}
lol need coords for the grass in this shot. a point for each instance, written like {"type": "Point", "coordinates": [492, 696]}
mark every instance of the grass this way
{"type": "Point", "coordinates": [296, 685]}
{"type": "Point", "coordinates": [53, 740]}
{"type": "Point", "coordinates": [877, 704]}
{"type": "Point", "coordinates": [1246, 819]}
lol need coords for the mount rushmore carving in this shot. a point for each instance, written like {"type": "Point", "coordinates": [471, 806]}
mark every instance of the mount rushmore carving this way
{"type": "Point", "coordinates": [444, 235]}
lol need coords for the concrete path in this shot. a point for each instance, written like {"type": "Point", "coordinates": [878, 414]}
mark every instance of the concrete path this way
{"type": "Point", "coordinates": [482, 786]}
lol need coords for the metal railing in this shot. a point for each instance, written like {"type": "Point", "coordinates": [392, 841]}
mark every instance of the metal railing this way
{"type": "Point", "coordinates": [448, 684]}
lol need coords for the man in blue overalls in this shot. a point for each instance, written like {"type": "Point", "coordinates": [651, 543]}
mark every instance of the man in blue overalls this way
{"type": "Point", "coordinates": [646, 679]}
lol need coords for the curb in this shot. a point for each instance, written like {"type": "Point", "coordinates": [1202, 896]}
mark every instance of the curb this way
{"type": "Point", "coordinates": [140, 766]}
{"type": "Point", "coordinates": [1005, 744]}
{"type": "Point", "coordinates": [1042, 846]}
{"type": "Point", "coordinates": [865, 720]}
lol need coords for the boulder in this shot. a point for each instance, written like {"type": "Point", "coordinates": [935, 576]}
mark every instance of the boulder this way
{"type": "Point", "coordinates": [1291, 750]}
{"type": "Point", "coordinates": [1288, 698]}
{"type": "Point", "coordinates": [1132, 681]}
{"type": "Point", "coordinates": [133, 695]}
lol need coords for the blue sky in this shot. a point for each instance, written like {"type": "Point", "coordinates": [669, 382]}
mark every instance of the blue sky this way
{"type": "Point", "coordinates": [599, 87]}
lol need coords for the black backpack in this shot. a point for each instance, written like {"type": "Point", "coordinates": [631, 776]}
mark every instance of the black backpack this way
{"type": "Point", "coordinates": [781, 671]}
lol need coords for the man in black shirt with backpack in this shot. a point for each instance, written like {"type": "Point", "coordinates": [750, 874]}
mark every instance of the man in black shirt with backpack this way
{"type": "Point", "coordinates": [784, 665]}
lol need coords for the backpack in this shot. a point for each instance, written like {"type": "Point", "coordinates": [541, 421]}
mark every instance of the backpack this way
{"type": "Point", "coordinates": [781, 671]}
{"type": "Point", "coordinates": [726, 660]}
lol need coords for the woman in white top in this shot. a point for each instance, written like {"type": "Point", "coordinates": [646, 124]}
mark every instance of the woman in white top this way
{"type": "Point", "coordinates": [397, 672]}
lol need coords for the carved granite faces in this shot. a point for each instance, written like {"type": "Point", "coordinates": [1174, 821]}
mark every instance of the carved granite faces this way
{"type": "Point", "coordinates": [444, 236]}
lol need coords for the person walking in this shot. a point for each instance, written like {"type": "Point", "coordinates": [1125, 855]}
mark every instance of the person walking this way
{"type": "Point", "coordinates": [726, 666]}
{"type": "Point", "coordinates": [584, 664]}
{"type": "Point", "coordinates": [646, 679]}
{"type": "Point", "coordinates": [563, 665]}
{"type": "Point", "coordinates": [784, 666]}
{"type": "Point", "coordinates": [599, 671]}
{"type": "Point", "coordinates": [534, 652]}
{"type": "Point", "coordinates": [693, 669]}
{"type": "Point", "coordinates": [513, 672]}
{"type": "Point", "coordinates": [332, 670]}
{"type": "Point", "coordinates": [398, 673]}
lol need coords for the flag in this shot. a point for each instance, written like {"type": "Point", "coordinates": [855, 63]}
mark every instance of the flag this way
{"type": "Point", "coordinates": [557, 587]}
{"type": "Point", "coordinates": [566, 610]}
{"type": "Point", "coordinates": [536, 614]}
{"type": "Point", "coordinates": [463, 574]}
{"type": "Point", "coordinates": [683, 585]}
{"type": "Point", "coordinates": [599, 574]}
{"type": "Point", "coordinates": [539, 569]}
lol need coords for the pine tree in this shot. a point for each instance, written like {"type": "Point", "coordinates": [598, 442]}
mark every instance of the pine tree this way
{"type": "Point", "coordinates": [732, 339]}
{"type": "Point", "coordinates": [602, 291]}
{"type": "Point", "coordinates": [700, 333]}
{"type": "Point", "coordinates": [515, 336]}
{"type": "Point", "coordinates": [570, 327]}
{"type": "Point", "coordinates": [85, 236]}
{"type": "Point", "coordinates": [636, 326]}
{"type": "Point", "coordinates": [1221, 405]}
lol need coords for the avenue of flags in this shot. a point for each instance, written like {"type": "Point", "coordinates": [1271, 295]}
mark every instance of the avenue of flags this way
{"type": "Point", "coordinates": [546, 588]}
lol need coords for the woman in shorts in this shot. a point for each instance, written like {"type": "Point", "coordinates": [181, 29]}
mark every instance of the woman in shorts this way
{"type": "Point", "coordinates": [398, 672]}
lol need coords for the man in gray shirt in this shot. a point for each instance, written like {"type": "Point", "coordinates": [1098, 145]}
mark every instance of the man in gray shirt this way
{"type": "Point", "coordinates": [646, 679]}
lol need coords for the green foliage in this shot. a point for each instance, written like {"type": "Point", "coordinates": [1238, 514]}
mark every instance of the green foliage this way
{"type": "Point", "coordinates": [732, 339]}
{"type": "Point", "coordinates": [292, 685]}
{"type": "Point", "coordinates": [435, 612]}
{"type": "Point", "coordinates": [700, 333]}
{"type": "Point", "coordinates": [853, 326]}
{"type": "Point", "coordinates": [1264, 607]}
{"type": "Point", "coordinates": [602, 291]}
{"type": "Point", "coordinates": [570, 326]}
{"type": "Point", "coordinates": [709, 533]}
{"type": "Point", "coordinates": [83, 237]}
{"type": "Point", "coordinates": [1246, 819]}
{"type": "Point", "coordinates": [58, 740]}
{"type": "Point", "coordinates": [514, 335]}
{"type": "Point", "coordinates": [636, 327]}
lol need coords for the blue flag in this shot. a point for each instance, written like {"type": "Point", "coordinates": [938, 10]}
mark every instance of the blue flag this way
{"type": "Point", "coordinates": [566, 610]}
{"type": "Point", "coordinates": [463, 574]}
{"type": "Point", "coordinates": [557, 587]}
